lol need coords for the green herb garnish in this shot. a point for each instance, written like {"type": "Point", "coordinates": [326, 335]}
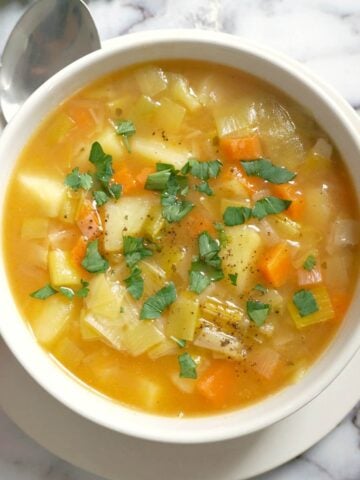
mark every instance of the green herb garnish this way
{"type": "Point", "coordinates": [100, 197]}
{"type": "Point", "coordinates": [198, 280]}
{"type": "Point", "coordinates": [115, 190]}
{"type": "Point", "coordinates": [135, 250]}
{"type": "Point", "coordinates": [269, 206]}
{"type": "Point", "coordinates": [202, 170]}
{"type": "Point", "coordinates": [93, 261]}
{"type": "Point", "coordinates": [135, 283]}
{"type": "Point", "coordinates": [165, 166]}
{"type": "Point", "coordinates": [173, 208]}
{"type": "Point", "coordinates": [268, 171]}
{"type": "Point", "coordinates": [305, 302]}
{"type": "Point", "coordinates": [84, 290]}
{"type": "Point", "coordinates": [158, 180]}
{"type": "Point", "coordinates": [257, 311]}
{"type": "Point", "coordinates": [181, 343]}
{"type": "Point", "coordinates": [236, 215]}
{"type": "Point", "coordinates": [309, 263]}
{"type": "Point", "coordinates": [67, 292]}
{"type": "Point", "coordinates": [219, 227]}
{"type": "Point", "coordinates": [44, 292]}
{"type": "Point", "coordinates": [204, 187]}
{"type": "Point", "coordinates": [260, 288]}
{"type": "Point", "coordinates": [209, 249]}
{"type": "Point", "coordinates": [102, 162]}
{"type": "Point", "coordinates": [104, 172]}
{"type": "Point", "coordinates": [126, 129]}
{"type": "Point", "coordinates": [205, 268]}
{"type": "Point", "coordinates": [187, 366]}
{"type": "Point", "coordinates": [154, 306]}
{"type": "Point", "coordinates": [76, 180]}
{"type": "Point", "coordinates": [233, 278]}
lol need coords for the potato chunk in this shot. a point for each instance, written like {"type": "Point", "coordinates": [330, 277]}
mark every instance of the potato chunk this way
{"type": "Point", "coordinates": [47, 194]}
{"type": "Point", "coordinates": [124, 217]}
{"type": "Point", "coordinates": [241, 254]}
{"type": "Point", "coordinates": [52, 319]}
{"type": "Point", "coordinates": [105, 297]}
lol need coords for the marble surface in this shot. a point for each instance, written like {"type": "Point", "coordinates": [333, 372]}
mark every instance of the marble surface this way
{"type": "Point", "coordinates": [323, 34]}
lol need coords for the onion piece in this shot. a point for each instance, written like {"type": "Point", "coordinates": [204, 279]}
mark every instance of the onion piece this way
{"type": "Point", "coordinates": [344, 232]}
{"type": "Point", "coordinates": [322, 148]}
{"type": "Point", "coordinates": [213, 339]}
{"type": "Point", "coordinates": [264, 361]}
{"type": "Point", "coordinates": [268, 233]}
{"type": "Point", "coordinates": [337, 271]}
{"type": "Point", "coordinates": [309, 277]}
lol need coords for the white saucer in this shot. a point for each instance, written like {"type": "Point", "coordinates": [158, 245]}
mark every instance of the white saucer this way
{"type": "Point", "coordinates": [118, 457]}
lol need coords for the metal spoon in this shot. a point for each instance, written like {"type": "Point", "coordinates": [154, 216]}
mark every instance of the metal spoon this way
{"type": "Point", "coordinates": [50, 35]}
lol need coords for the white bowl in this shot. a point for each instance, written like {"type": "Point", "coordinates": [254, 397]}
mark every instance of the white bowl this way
{"type": "Point", "coordinates": [281, 72]}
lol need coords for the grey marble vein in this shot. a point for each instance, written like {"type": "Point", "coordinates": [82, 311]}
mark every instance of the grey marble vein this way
{"type": "Point", "coordinates": [323, 34]}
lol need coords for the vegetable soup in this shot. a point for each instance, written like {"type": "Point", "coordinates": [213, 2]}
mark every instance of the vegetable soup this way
{"type": "Point", "coordinates": [182, 238]}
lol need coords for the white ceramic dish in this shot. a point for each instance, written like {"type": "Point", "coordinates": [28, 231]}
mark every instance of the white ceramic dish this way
{"type": "Point", "coordinates": [77, 440]}
{"type": "Point", "coordinates": [151, 46]}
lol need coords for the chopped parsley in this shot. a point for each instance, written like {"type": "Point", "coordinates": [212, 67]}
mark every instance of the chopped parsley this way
{"type": "Point", "coordinates": [236, 215]}
{"type": "Point", "coordinates": [44, 292]}
{"type": "Point", "coordinates": [134, 250]}
{"type": "Point", "coordinates": [260, 288]}
{"type": "Point", "coordinates": [76, 180]}
{"type": "Point", "coordinates": [187, 366]}
{"type": "Point", "coordinates": [269, 206]}
{"type": "Point", "coordinates": [104, 173]}
{"type": "Point", "coordinates": [174, 209]}
{"type": "Point", "coordinates": [309, 263]}
{"type": "Point", "coordinates": [257, 311]}
{"type": "Point", "coordinates": [158, 180]}
{"type": "Point", "coordinates": [126, 129]}
{"type": "Point", "coordinates": [268, 171]}
{"type": "Point", "coordinates": [233, 278]}
{"type": "Point", "coordinates": [155, 305]}
{"type": "Point", "coordinates": [84, 290]}
{"type": "Point", "coordinates": [205, 268]}
{"type": "Point", "coordinates": [102, 162]}
{"type": "Point", "coordinates": [202, 170]}
{"type": "Point", "coordinates": [93, 261]}
{"type": "Point", "coordinates": [174, 187]}
{"type": "Point", "coordinates": [219, 227]}
{"type": "Point", "coordinates": [181, 343]}
{"type": "Point", "coordinates": [305, 302]}
{"type": "Point", "coordinates": [204, 187]}
{"type": "Point", "coordinates": [100, 197]}
{"type": "Point", "coordinates": [47, 291]}
{"type": "Point", "coordinates": [198, 280]}
{"type": "Point", "coordinates": [67, 292]}
{"type": "Point", "coordinates": [135, 283]}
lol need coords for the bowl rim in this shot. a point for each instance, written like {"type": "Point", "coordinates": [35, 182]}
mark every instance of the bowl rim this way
{"type": "Point", "coordinates": [199, 431]}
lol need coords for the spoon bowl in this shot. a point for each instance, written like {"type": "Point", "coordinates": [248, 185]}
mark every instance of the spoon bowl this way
{"type": "Point", "coordinates": [50, 35]}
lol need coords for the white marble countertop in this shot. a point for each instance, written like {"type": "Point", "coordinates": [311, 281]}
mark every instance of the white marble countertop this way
{"type": "Point", "coordinates": [323, 34]}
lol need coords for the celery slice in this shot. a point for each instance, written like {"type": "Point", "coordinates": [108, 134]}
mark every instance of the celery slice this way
{"type": "Point", "coordinates": [325, 309]}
